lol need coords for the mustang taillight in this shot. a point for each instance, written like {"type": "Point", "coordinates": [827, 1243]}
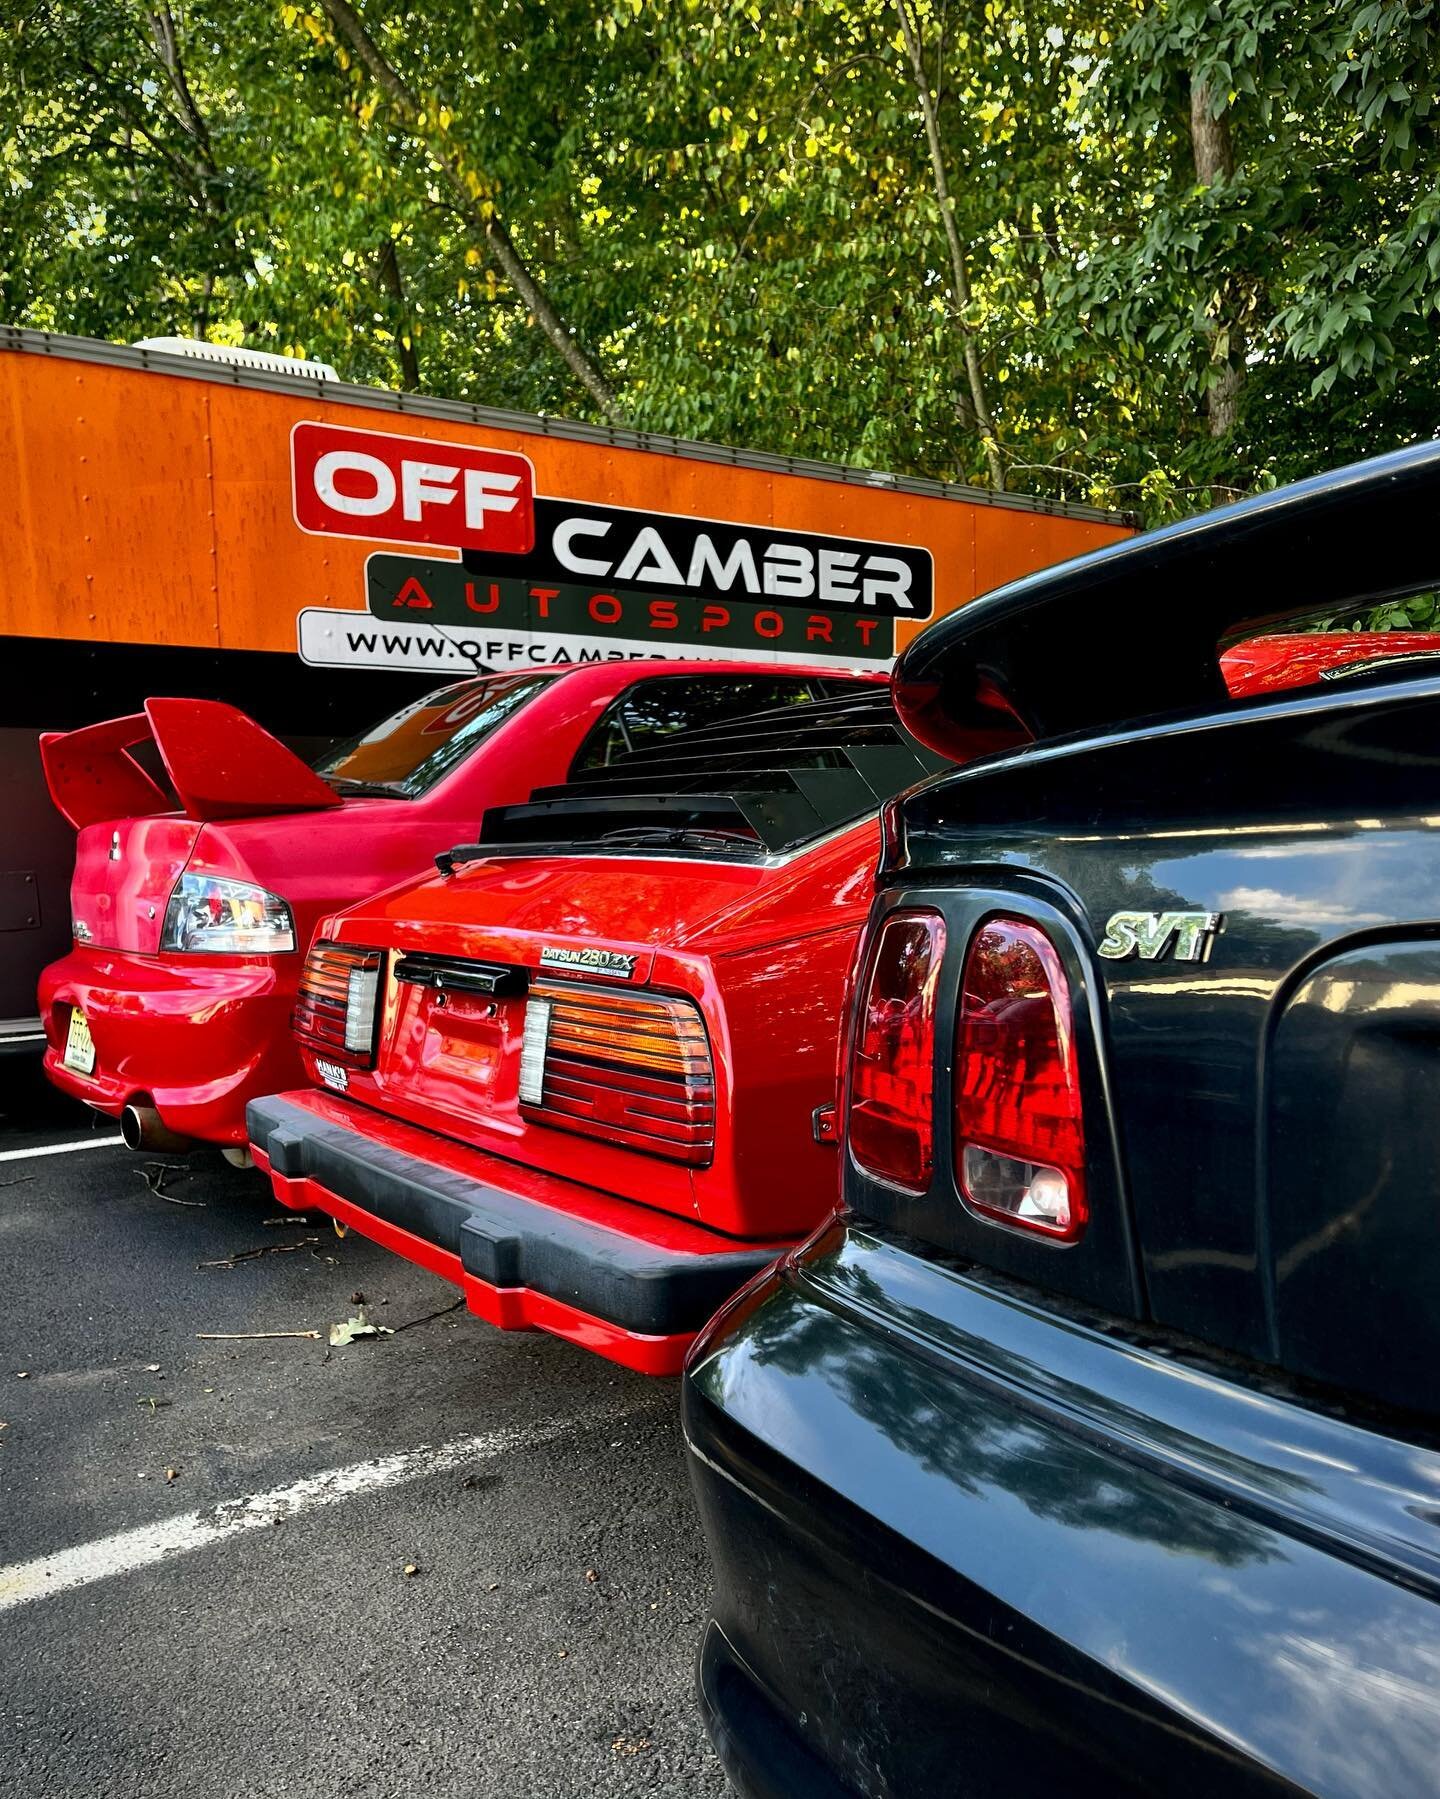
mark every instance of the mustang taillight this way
{"type": "Point", "coordinates": [336, 1006]}
{"type": "Point", "coordinates": [892, 1070]}
{"type": "Point", "coordinates": [1019, 1128]}
{"type": "Point", "coordinates": [631, 1068]}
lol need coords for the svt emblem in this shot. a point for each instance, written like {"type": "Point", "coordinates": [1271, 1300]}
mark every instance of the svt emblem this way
{"type": "Point", "coordinates": [1151, 934]}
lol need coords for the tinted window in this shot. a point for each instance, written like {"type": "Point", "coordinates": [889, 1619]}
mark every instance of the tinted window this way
{"type": "Point", "coordinates": [409, 752]}
{"type": "Point", "coordinates": [651, 710]}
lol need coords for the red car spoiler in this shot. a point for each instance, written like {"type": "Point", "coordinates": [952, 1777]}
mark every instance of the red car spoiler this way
{"type": "Point", "coordinates": [220, 763]}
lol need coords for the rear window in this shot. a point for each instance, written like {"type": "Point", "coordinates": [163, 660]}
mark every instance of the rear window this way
{"type": "Point", "coordinates": [406, 754]}
{"type": "Point", "coordinates": [655, 709]}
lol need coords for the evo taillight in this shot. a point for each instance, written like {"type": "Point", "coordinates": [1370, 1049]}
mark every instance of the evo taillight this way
{"type": "Point", "coordinates": [890, 1124]}
{"type": "Point", "coordinates": [1019, 1127]}
{"type": "Point", "coordinates": [629, 1068]}
{"type": "Point", "coordinates": [336, 1005]}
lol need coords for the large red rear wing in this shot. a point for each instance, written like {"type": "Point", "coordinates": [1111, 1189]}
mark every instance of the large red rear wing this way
{"type": "Point", "coordinates": [219, 761]}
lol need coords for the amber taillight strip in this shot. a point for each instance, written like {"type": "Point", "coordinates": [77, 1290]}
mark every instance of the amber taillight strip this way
{"type": "Point", "coordinates": [631, 1068]}
{"type": "Point", "coordinates": [336, 1007]}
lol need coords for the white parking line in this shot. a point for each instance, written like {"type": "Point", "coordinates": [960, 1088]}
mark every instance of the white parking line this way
{"type": "Point", "coordinates": [23, 1582]}
{"type": "Point", "coordinates": [59, 1149]}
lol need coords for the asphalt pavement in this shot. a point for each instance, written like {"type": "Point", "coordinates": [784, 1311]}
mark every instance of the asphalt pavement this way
{"type": "Point", "coordinates": [441, 1561]}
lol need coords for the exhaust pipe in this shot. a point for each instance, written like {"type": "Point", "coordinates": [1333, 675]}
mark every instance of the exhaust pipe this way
{"type": "Point", "coordinates": [143, 1128]}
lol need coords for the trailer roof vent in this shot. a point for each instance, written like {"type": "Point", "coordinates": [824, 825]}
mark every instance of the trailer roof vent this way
{"type": "Point", "coordinates": [237, 356]}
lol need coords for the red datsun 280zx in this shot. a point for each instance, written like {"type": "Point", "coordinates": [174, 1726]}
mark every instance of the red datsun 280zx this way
{"type": "Point", "coordinates": [587, 1071]}
{"type": "Point", "coordinates": [192, 907]}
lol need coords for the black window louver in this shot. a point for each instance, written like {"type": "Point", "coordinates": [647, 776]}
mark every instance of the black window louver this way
{"type": "Point", "coordinates": [748, 787]}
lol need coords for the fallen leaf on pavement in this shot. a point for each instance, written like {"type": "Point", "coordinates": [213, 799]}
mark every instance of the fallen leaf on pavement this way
{"type": "Point", "coordinates": [411, 1569]}
{"type": "Point", "coordinates": [358, 1326]}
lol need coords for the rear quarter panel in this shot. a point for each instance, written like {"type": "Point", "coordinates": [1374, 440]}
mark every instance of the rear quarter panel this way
{"type": "Point", "coordinates": [1308, 826]}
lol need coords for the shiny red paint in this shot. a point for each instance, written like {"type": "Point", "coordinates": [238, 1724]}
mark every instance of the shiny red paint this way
{"type": "Point", "coordinates": [201, 1035]}
{"type": "Point", "coordinates": [1272, 664]}
{"type": "Point", "coordinates": [764, 950]}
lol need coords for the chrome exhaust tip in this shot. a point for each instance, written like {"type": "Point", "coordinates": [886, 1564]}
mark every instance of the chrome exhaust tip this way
{"type": "Point", "coordinates": [142, 1128]}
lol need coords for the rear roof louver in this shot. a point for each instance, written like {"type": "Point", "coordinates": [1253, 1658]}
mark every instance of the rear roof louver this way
{"type": "Point", "coordinates": [751, 786]}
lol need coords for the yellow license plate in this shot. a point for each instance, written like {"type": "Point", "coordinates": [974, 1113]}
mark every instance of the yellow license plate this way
{"type": "Point", "coordinates": [79, 1044]}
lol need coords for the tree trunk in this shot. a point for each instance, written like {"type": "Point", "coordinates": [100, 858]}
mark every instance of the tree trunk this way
{"type": "Point", "coordinates": [1214, 156]}
{"type": "Point", "coordinates": [387, 271]}
{"type": "Point", "coordinates": [492, 229]}
{"type": "Point", "coordinates": [959, 273]}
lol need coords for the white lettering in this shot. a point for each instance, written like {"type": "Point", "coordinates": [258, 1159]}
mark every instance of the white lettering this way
{"type": "Point", "coordinates": [886, 579]}
{"type": "Point", "coordinates": [425, 483]}
{"type": "Point", "coordinates": [483, 489]}
{"type": "Point", "coordinates": [705, 559]}
{"type": "Point", "coordinates": [795, 582]}
{"type": "Point", "coordinates": [351, 462]}
{"type": "Point", "coordinates": [837, 576]}
{"type": "Point", "coordinates": [565, 535]}
{"type": "Point", "coordinates": [647, 559]}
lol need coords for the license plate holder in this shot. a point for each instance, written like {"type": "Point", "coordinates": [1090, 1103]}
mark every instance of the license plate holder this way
{"type": "Point", "coordinates": [79, 1044]}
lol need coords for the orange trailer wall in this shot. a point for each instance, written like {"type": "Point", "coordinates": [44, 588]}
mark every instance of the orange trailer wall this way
{"type": "Point", "coordinates": [156, 509]}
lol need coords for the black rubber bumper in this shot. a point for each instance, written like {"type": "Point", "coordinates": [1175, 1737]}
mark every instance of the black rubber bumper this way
{"type": "Point", "coordinates": [506, 1239]}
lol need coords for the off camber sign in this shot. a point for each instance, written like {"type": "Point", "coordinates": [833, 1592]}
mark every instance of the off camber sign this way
{"type": "Point", "coordinates": [543, 581]}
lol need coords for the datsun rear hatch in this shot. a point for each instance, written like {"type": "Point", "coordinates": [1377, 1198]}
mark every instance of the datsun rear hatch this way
{"type": "Point", "coordinates": [564, 971]}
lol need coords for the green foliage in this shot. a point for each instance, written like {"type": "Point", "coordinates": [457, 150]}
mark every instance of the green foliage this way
{"type": "Point", "coordinates": [730, 204]}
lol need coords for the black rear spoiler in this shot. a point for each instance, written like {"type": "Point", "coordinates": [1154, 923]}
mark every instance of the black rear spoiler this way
{"type": "Point", "coordinates": [1136, 629]}
{"type": "Point", "coordinates": [751, 786]}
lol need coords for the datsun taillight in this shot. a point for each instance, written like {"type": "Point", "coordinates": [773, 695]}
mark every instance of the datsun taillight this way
{"type": "Point", "coordinates": [892, 1070]}
{"type": "Point", "coordinates": [630, 1068]}
{"type": "Point", "coordinates": [337, 1002]}
{"type": "Point", "coordinates": [1019, 1127]}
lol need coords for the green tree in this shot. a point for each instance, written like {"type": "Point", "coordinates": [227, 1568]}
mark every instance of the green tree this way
{"type": "Point", "coordinates": [1141, 252]}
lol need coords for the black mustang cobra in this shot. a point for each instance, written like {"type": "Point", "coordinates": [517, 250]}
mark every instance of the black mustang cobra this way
{"type": "Point", "coordinates": [1094, 1446]}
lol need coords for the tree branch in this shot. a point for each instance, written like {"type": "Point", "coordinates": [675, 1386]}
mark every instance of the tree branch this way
{"type": "Point", "coordinates": [387, 272]}
{"type": "Point", "coordinates": [959, 273]}
{"type": "Point", "coordinates": [485, 221]}
{"type": "Point", "coordinates": [1214, 156]}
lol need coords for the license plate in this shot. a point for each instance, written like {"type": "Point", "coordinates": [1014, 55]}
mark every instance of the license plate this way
{"type": "Point", "coordinates": [79, 1044]}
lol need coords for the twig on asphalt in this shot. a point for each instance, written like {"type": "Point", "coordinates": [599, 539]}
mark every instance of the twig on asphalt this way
{"type": "Point", "coordinates": [155, 1174]}
{"type": "Point", "coordinates": [410, 1323]}
{"type": "Point", "coordinates": [265, 1249]}
{"type": "Point", "coordinates": [251, 1336]}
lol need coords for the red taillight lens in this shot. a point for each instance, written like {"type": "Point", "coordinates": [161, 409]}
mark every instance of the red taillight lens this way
{"type": "Point", "coordinates": [890, 1124]}
{"type": "Point", "coordinates": [629, 1068]}
{"type": "Point", "coordinates": [336, 1006]}
{"type": "Point", "coordinates": [1019, 1128]}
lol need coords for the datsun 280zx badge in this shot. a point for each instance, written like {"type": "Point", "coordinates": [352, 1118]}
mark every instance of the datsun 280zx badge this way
{"type": "Point", "coordinates": [582, 959]}
{"type": "Point", "coordinates": [1150, 935]}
